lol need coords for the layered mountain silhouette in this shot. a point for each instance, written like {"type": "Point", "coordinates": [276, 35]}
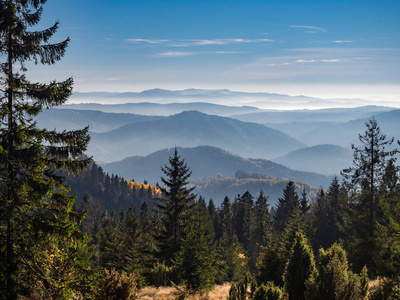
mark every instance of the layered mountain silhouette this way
{"type": "Point", "coordinates": [207, 162]}
{"type": "Point", "coordinates": [73, 119]}
{"type": "Point", "coordinates": [191, 129]}
{"type": "Point", "coordinates": [148, 108]}
{"type": "Point", "coordinates": [322, 159]}
{"type": "Point", "coordinates": [223, 186]}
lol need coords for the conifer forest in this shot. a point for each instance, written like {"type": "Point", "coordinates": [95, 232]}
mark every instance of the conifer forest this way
{"type": "Point", "coordinates": [70, 230]}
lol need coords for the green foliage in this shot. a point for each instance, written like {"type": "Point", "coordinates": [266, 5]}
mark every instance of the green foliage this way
{"type": "Point", "coordinates": [262, 229]}
{"type": "Point", "coordinates": [269, 292]}
{"type": "Point", "coordinates": [300, 269]}
{"type": "Point", "coordinates": [110, 192]}
{"type": "Point", "coordinates": [121, 245]}
{"type": "Point", "coordinates": [174, 207]}
{"type": "Point", "coordinates": [116, 285]}
{"type": "Point", "coordinates": [237, 292]}
{"type": "Point", "coordinates": [287, 205]}
{"type": "Point", "coordinates": [229, 260]}
{"type": "Point", "coordinates": [365, 180]}
{"type": "Point", "coordinates": [161, 275]}
{"type": "Point", "coordinates": [327, 214]}
{"type": "Point", "coordinates": [196, 261]}
{"type": "Point", "coordinates": [36, 212]}
{"type": "Point", "coordinates": [270, 265]}
{"type": "Point", "coordinates": [335, 280]}
{"type": "Point", "coordinates": [387, 290]}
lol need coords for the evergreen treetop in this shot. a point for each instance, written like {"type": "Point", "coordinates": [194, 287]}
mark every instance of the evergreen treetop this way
{"type": "Point", "coordinates": [34, 205]}
{"type": "Point", "coordinates": [174, 206]}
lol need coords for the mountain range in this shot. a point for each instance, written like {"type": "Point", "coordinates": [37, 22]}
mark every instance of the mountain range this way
{"type": "Point", "coordinates": [208, 162]}
{"type": "Point", "coordinates": [324, 159]}
{"type": "Point", "coordinates": [224, 97]}
{"type": "Point", "coordinates": [191, 129]}
{"type": "Point", "coordinates": [219, 187]}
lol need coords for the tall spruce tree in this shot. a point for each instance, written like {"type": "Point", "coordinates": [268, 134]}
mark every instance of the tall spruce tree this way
{"type": "Point", "coordinates": [35, 208]}
{"type": "Point", "coordinates": [262, 229]}
{"type": "Point", "coordinates": [197, 259]}
{"type": "Point", "coordinates": [364, 180]}
{"type": "Point", "coordinates": [300, 269]}
{"type": "Point", "coordinates": [287, 206]}
{"type": "Point", "coordinates": [369, 163]}
{"type": "Point", "coordinates": [327, 216]}
{"type": "Point", "coordinates": [174, 207]}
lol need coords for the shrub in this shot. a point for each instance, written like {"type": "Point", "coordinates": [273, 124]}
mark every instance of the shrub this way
{"type": "Point", "coordinates": [116, 286]}
{"type": "Point", "coordinates": [269, 292]}
{"type": "Point", "coordinates": [335, 281]}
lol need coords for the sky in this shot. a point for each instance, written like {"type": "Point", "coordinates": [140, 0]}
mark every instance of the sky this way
{"type": "Point", "coordinates": [322, 48]}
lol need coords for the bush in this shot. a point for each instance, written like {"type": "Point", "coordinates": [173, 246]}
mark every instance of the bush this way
{"type": "Point", "coordinates": [116, 286]}
{"type": "Point", "coordinates": [237, 292]}
{"type": "Point", "coordinates": [335, 281]}
{"type": "Point", "coordinates": [269, 292]}
{"type": "Point", "coordinates": [161, 275]}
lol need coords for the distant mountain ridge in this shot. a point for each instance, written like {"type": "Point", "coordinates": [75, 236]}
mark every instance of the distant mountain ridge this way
{"type": "Point", "coordinates": [191, 129]}
{"type": "Point", "coordinates": [263, 100]}
{"type": "Point", "coordinates": [207, 162]}
{"type": "Point", "coordinates": [148, 108]}
{"type": "Point", "coordinates": [323, 159]}
{"type": "Point", "coordinates": [98, 121]}
{"type": "Point", "coordinates": [232, 186]}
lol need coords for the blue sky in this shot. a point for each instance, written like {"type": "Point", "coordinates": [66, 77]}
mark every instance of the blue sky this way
{"type": "Point", "coordinates": [320, 48]}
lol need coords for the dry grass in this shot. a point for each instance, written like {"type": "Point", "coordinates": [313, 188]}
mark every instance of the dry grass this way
{"type": "Point", "coordinates": [170, 293]}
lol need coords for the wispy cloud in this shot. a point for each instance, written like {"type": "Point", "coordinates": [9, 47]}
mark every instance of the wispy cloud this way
{"type": "Point", "coordinates": [321, 60]}
{"type": "Point", "coordinates": [198, 42]}
{"type": "Point", "coordinates": [188, 53]}
{"type": "Point", "coordinates": [176, 53]}
{"type": "Point", "coordinates": [148, 41]}
{"type": "Point", "coordinates": [342, 41]}
{"type": "Point", "coordinates": [309, 29]}
{"type": "Point", "coordinates": [228, 41]}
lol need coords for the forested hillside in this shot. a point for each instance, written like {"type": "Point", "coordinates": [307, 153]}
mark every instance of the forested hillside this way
{"type": "Point", "coordinates": [69, 230]}
{"type": "Point", "coordinates": [110, 192]}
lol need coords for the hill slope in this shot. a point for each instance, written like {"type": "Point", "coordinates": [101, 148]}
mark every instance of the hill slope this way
{"type": "Point", "coordinates": [207, 162]}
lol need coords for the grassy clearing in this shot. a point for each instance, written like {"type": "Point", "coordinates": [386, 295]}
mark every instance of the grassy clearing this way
{"type": "Point", "coordinates": [170, 293]}
{"type": "Point", "coordinates": [220, 292]}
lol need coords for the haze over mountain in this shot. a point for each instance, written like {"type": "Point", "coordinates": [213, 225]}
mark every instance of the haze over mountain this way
{"type": "Point", "coordinates": [340, 133]}
{"type": "Point", "coordinates": [312, 116]}
{"type": "Point", "coordinates": [152, 108]}
{"type": "Point", "coordinates": [232, 186]}
{"type": "Point", "coordinates": [323, 159]}
{"type": "Point", "coordinates": [98, 121]}
{"type": "Point", "coordinates": [207, 162]}
{"type": "Point", "coordinates": [223, 97]}
{"type": "Point", "coordinates": [191, 129]}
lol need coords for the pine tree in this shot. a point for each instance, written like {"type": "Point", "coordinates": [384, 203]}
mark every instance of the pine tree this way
{"type": "Point", "coordinates": [364, 181]}
{"type": "Point", "coordinates": [369, 163]}
{"type": "Point", "coordinates": [197, 254]}
{"type": "Point", "coordinates": [35, 208]}
{"type": "Point", "coordinates": [300, 269]}
{"type": "Point", "coordinates": [228, 249]}
{"type": "Point", "coordinates": [262, 229]}
{"type": "Point", "coordinates": [287, 205]}
{"type": "Point", "coordinates": [174, 207]}
{"type": "Point", "coordinates": [327, 216]}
